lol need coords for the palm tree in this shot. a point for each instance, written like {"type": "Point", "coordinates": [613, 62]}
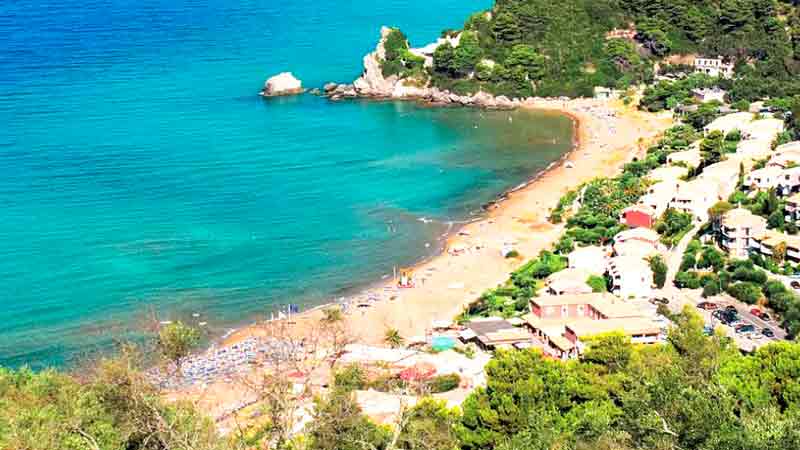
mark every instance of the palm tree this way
{"type": "Point", "coordinates": [393, 338]}
{"type": "Point", "coordinates": [332, 315]}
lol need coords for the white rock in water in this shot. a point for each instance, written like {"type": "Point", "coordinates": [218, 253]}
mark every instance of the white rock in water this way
{"type": "Point", "coordinates": [282, 84]}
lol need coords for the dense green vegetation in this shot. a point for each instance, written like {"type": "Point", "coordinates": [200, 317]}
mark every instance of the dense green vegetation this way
{"type": "Point", "coordinates": [695, 392]}
{"type": "Point", "coordinates": [550, 48]}
{"type": "Point", "coordinates": [399, 60]}
{"type": "Point", "coordinates": [113, 407]}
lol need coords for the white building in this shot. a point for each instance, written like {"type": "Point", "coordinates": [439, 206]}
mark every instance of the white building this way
{"type": "Point", "coordinates": [631, 276]}
{"type": "Point", "coordinates": [764, 179]}
{"type": "Point", "coordinates": [592, 259]}
{"type": "Point", "coordinates": [725, 174]}
{"type": "Point", "coordinates": [706, 95]}
{"type": "Point", "coordinates": [789, 182]}
{"type": "Point", "coordinates": [696, 197]}
{"type": "Point", "coordinates": [569, 282]}
{"type": "Point", "coordinates": [714, 67]}
{"type": "Point", "coordinates": [668, 173]}
{"type": "Point", "coordinates": [737, 228]}
{"type": "Point", "coordinates": [691, 157]}
{"type": "Point", "coordinates": [638, 234]}
{"type": "Point", "coordinates": [729, 122]}
{"type": "Point", "coordinates": [785, 156]}
{"type": "Point", "coordinates": [659, 195]}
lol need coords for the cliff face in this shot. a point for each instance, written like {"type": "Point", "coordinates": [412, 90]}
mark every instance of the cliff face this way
{"type": "Point", "coordinates": [372, 82]}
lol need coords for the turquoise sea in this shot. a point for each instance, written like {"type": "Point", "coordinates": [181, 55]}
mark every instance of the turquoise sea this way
{"type": "Point", "coordinates": [139, 170]}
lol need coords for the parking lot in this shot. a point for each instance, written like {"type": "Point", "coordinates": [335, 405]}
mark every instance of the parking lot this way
{"type": "Point", "coordinates": [747, 341]}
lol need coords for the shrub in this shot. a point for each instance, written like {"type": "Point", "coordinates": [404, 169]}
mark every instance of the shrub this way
{"type": "Point", "coordinates": [350, 378]}
{"type": "Point", "coordinates": [687, 280]}
{"type": "Point", "coordinates": [597, 283]}
{"type": "Point", "coordinates": [710, 290]}
{"type": "Point", "coordinates": [443, 383]}
{"type": "Point", "coordinates": [750, 275]}
{"type": "Point", "coordinates": [659, 268]}
{"type": "Point", "coordinates": [745, 291]}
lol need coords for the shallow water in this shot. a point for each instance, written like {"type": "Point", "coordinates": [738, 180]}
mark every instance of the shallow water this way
{"type": "Point", "coordinates": [139, 170]}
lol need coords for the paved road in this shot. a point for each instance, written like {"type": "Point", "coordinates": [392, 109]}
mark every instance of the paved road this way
{"type": "Point", "coordinates": [680, 298]}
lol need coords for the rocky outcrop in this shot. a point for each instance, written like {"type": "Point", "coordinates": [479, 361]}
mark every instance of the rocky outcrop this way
{"type": "Point", "coordinates": [282, 84]}
{"type": "Point", "coordinates": [372, 84]}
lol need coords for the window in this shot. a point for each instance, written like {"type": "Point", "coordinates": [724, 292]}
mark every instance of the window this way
{"type": "Point", "coordinates": [580, 310]}
{"type": "Point", "coordinates": [564, 311]}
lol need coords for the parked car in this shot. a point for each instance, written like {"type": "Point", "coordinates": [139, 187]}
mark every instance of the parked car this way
{"type": "Point", "coordinates": [708, 306]}
{"type": "Point", "coordinates": [731, 308]}
{"type": "Point", "coordinates": [795, 284]}
{"type": "Point", "coordinates": [760, 314]}
{"type": "Point", "coordinates": [745, 328]}
{"type": "Point", "coordinates": [661, 300]}
{"type": "Point", "coordinates": [768, 333]}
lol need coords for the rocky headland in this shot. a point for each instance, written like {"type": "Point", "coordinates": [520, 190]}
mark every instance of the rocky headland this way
{"type": "Point", "coordinates": [373, 84]}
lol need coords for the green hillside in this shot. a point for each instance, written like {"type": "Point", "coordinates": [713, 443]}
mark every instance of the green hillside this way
{"type": "Point", "coordinates": [551, 47]}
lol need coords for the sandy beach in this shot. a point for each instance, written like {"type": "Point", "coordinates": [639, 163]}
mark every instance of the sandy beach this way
{"type": "Point", "coordinates": [608, 135]}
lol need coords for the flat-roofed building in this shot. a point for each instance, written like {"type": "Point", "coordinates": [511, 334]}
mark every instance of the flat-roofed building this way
{"type": "Point", "coordinates": [705, 95]}
{"type": "Point", "coordinates": [638, 234]}
{"type": "Point", "coordinates": [763, 129]}
{"type": "Point", "coordinates": [737, 229]}
{"type": "Point", "coordinates": [691, 158]}
{"type": "Point", "coordinates": [793, 208]}
{"type": "Point", "coordinates": [569, 282]}
{"type": "Point", "coordinates": [493, 332]}
{"type": "Point", "coordinates": [550, 314]}
{"type": "Point", "coordinates": [635, 248]}
{"type": "Point", "coordinates": [715, 67]}
{"type": "Point", "coordinates": [729, 122]}
{"type": "Point", "coordinates": [765, 244]}
{"type": "Point", "coordinates": [631, 277]}
{"type": "Point", "coordinates": [764, 179]}
{"type": "Point", "coordinates": [592, 258]}
{"type": "Point", "coordinates": [696, 197]}
{"type": "Point", "coordinates": [787, 158]}
{"type": "Point", "coordinates": [754, 148]}
{"type": "Point", "coordinates": [668, 173]}
{"type": "Point", "coordinates": [789, 182]}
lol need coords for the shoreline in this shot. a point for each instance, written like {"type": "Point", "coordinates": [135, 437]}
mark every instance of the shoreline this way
{"type": "Point", "coordinates": [438, 248]}
{"type": "Point", "coordinates": [585, 126]}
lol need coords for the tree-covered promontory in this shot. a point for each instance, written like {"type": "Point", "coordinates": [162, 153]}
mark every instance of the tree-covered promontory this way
{"type": "Point", "coordinates": [564, 47]}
